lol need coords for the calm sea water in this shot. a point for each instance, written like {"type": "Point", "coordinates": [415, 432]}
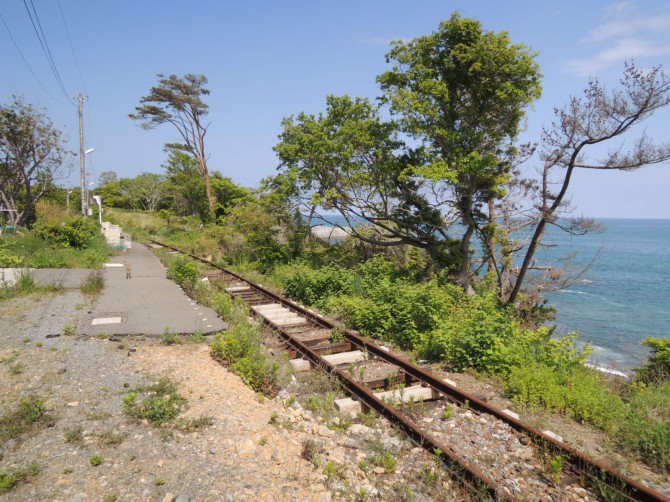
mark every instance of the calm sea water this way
{"type": "Point", "coordinates": [624, 296]}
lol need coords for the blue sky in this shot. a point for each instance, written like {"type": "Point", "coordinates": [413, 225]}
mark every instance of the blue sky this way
{"type": "Point", "coordinates": [269, 59]}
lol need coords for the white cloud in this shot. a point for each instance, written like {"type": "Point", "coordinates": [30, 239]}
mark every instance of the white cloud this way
{"type": "Point", "coordinates": [625, 49]}
{"type": "Point", "coordinates": [623, 35]}
{"type": "Point", "coordinates": [625, 27]}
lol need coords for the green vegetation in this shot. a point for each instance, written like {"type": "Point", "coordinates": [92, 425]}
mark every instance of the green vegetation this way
{"type": "Point", "coordinates": [96, 460]}
{"type": "Point", "coordinates": [27, 415]}
{"type": "Point", "coordinates": [158, 403]}
{"type": "Point", "coordinates": [10, 477]}
{"type": "Point", "coordinates": [57, 240]}
{"type": "Point", "coordinates": [93, 284]}
{"type": "Point", "coordinates": [657, 367]}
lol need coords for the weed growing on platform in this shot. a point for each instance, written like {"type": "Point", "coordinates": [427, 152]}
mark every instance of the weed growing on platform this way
{"type": "Point", "coordinates": [93, 284]}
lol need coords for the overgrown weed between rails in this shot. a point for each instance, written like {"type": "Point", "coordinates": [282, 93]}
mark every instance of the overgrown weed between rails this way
{"type": "Point", "coordinates": [241, 348]}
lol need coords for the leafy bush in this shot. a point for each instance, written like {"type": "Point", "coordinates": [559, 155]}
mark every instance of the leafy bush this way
{"type": "Point", "coordinates": [657, 367]}
{"type": "Point", "coordinates": [75, 232]}
{"type": "Point", "coordinates": [240, 348]}
{"type": "Point", "coordinates": [7, 258]}
{"type": "Point", "coordinates": [183, 271]}
{"type": "Point", "coordinates": [313, 286]}
{"type": "Point", "coordinates": [12, 476]}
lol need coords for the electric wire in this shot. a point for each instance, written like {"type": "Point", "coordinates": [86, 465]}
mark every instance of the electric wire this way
{"type": "Point", "coordinates": [45, 48]}
{"type": "Point", "coordinates": [9, 32]}
{"type": "Point", "coordinates": [74, 55]}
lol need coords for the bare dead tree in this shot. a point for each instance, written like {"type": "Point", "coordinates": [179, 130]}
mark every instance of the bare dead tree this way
{"type": "Point", "coordinates": [597, 117]}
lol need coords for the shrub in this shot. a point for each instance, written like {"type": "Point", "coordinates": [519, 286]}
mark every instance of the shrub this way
{"type": "Point", "coordinates": [7, 258]}
{"type": "Point", "coordinates": [240, 348]}
{"type": "Point", "coordinates": [76, 232]}
{"type": "Point", "coordinates": [183, 271]}
{"type": "Point", "coordinates": [96, 460]}
{"type": "Point", "coordinates": [10, 477]}
{"type": "Point", "coordinates": [657, 367]}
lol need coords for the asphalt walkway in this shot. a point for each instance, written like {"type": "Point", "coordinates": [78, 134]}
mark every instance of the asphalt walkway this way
{"type": "Point", "coordinates": [147, 304]}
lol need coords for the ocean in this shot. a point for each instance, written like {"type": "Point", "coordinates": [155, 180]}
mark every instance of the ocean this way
{"type": "Point", "coordinates": [624, 295]}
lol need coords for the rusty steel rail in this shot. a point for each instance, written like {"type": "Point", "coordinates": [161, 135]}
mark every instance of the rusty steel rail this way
{"type": "Point", "coordinates": [624, 486]}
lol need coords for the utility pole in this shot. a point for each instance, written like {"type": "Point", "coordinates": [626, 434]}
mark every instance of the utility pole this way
{"type": "Point", "coordinates": [82, 167]}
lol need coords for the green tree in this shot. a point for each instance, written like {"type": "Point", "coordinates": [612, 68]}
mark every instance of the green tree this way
{"type": "Point", "coordinates": [178, 101]}
{"type": "Point", "coordinates": [107, 177]}
{"type": "Point", "coordinates": [186, 187]}
{"type": "Point", "coordinates": [462, 92]}
{"type": "Point", "coordinates": [32, 152]}
{"type": "Point", "coordinates": [351, 161]}
{"type": "Point", "coordinates": [148, 191]}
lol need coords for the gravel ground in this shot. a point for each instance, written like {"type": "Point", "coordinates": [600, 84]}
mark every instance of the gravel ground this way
{"type": "Point", "coordinates": [83, 381]}
{"type": "Point", "coordinates": [251, 451]}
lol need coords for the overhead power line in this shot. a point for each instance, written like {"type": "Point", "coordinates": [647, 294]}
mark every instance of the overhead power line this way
{"type": "Point", "coordinates": [69, 39]}
{"type": "Point", "coordinates": [9, 32]}
{"type": "Point", "coordinates": [45, 48]}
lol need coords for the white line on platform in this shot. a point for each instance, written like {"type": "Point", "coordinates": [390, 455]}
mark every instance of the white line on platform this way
{"type": "Point", "coordinates": [209, 325]}
{"type": "Point", "coordinates": [204, 318]}
{"type": "Point", "coordinates": [111, 265]}
{"type": "Point", "coordinates": [105, 320]}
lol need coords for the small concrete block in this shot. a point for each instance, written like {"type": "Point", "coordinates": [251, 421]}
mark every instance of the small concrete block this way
{"type": "Point", "coordinates": [233, 289]}
{"type": "Point", "coordinates": [105, 320]}
{"type": "Point", "coordinates": [268, 307]}
{"type": "Point", "coordinates": [553, 435]}
{"type": "Point", "coordinates": [511, 414]}
{"type": "Point", "coordinates": [291, 321]}
{"type": "Point", "coordinates": [300, 365]}
{"type": "Point", "coordinates": [450, 382]}
{"type": "Point", "coordinates": [348, 405]}
{"type": "Point", "coordinates": [353, 356]}
{"type": "Point", "coordinates": [275, 316]}
{"type": "Point", "coordinates": [416, 393]}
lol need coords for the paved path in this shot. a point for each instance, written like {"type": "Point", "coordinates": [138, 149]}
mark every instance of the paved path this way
{"type": "Point", "coordinates": [147, 304]}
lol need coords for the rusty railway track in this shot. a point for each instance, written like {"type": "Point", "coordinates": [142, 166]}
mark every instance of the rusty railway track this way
{"type": "Point", "coordinates": [291, 322]}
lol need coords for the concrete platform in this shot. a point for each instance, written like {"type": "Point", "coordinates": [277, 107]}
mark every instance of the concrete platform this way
{"type": "Point", "coordinates": [147, 304]}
